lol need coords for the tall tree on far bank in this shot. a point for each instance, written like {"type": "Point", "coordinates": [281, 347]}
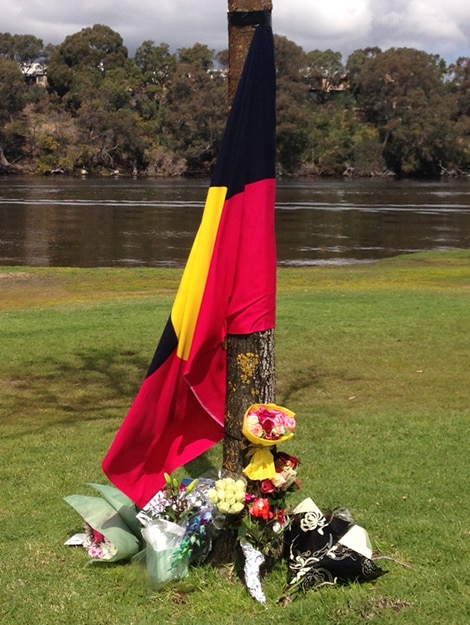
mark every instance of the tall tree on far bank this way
{"type": "Point", "coordinates": [25, 49]}
{"type": "Point", "coordinates": [460, 89]}
{"type": "Point", "coordinates": [196, 109]}
{"type": "Point", "coordinates": [402, 92]}
{"type": "Point", "coordinates": [293, 112]}
{"type": "Point", "coordinates": [157, 69]}
{"type": "Point", "coordinates": [85, 58]}
{"type": "Point", "coordinates": [324, 72]}
{"type": "Point", "coordinates": [92, 75]}
{"type": "Point", "coordinates": [13, 90]}
{"type": "Point", "coordinates": [13, 97]}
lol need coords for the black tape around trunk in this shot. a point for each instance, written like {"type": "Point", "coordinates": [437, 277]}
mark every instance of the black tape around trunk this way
{"type": "Point", "coordinates": [249, 18]}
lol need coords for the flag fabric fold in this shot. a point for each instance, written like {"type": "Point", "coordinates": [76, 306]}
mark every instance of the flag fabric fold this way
{"type": "Point", "coordinates": [228, 287]}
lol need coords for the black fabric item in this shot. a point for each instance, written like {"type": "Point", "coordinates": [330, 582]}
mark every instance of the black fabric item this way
{"type": "Point", "coordinates": [314, 556]}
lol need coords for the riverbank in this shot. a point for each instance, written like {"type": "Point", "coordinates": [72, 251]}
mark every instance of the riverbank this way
{"type": "Point", "coordinates": [303, 173]}
{"type": "Point", "coordinates": [373, 359]}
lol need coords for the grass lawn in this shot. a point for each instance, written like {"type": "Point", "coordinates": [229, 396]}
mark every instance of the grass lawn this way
{"type": "Point", "coordinates": [374, 360]}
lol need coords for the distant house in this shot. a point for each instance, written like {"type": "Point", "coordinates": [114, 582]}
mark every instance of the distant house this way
{"type": "Point", "coordinates": [35, 74]}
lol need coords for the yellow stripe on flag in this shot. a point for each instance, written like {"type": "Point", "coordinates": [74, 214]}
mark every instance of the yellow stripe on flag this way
{"type": "Point", "coordinates": [188, 299]}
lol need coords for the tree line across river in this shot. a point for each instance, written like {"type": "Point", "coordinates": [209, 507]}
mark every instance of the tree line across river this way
{"type": "Point", "coordinates": [399, 112]}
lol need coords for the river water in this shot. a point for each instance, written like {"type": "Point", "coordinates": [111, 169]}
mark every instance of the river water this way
{"type": "Point", "coordinates": [119, 222]}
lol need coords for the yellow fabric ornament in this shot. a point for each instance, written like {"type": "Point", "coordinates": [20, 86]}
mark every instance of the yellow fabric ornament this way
{"type": "Point", "coordinates": [261, 465]}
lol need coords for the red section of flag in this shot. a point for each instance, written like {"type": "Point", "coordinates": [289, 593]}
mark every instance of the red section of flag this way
{"type": "Point", "coordinates": [240, 295]}
{"type": "Point", "coordinates": [165, 428]}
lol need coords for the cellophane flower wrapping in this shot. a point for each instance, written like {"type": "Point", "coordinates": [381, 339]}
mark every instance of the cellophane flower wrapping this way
{"type": "Point", "coordinates": [110, 533]}
{"type": "Point", "coordinates": [254, 560]}
{"type": "Point", "coordinates": [163, 538]}
{"type": "Point", "coordinates": [175, 529]}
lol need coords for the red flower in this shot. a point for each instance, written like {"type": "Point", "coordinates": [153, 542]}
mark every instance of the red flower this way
{"type": "Point", "coordinates": [268, 424]}
{"type": "Point", "coordinates": [284, 461]}
{"type": "Point", "coordinates": [260, 509]}
{"type": "Point", "coordinates": [97, 536]}
{"type": "Point", "coordinates": [280, 516]}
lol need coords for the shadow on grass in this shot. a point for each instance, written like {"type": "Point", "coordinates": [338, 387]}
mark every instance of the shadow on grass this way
{"type": "Point", "coordinates": [309, 379]}
{"type": "Point", "coordinates": [93, 384]}
{"type": "Point", "coordinates": [296, 381]}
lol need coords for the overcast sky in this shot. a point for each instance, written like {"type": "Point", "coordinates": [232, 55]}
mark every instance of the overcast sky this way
{"type": "Point", "coordinates": [436, 26]}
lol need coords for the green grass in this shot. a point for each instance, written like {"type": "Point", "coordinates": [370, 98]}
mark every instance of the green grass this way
{"type": "Point", "coordinates": [374, 360]}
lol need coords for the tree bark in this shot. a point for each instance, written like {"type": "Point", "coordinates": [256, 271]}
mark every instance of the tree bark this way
{"type": "Point", "coordinates": [250, 380]}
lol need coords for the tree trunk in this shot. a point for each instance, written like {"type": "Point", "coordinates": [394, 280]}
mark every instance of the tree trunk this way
{"type": "Point", "coordinates": [240, 34]}
{"type": "Point", "coordinates": [250, 358]}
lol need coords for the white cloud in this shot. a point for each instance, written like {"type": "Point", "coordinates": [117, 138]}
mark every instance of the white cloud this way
{"type": "Point", "coordinates": [331, 19]}
{"type": "Point", "coordinates": [424, 20]}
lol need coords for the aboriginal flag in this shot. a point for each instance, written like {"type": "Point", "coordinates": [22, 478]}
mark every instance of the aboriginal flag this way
{"type": "Point", "coordinates": [228, 287]}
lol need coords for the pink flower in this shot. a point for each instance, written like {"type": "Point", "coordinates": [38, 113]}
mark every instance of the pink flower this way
{"type": "Point", "coordinates": [267, 487]}
{"type": "Point", "coordinates": [275, 424]}
{"type": "Point", "coordinates": [94, 551]}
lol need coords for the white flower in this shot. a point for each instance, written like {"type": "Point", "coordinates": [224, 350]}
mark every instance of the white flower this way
{"type": "Point", "coordinates": [223, 507]}
{"type": "Point", "coordinates": [236, 507]}
{"type": "Point", "coordinates": [212, 496]}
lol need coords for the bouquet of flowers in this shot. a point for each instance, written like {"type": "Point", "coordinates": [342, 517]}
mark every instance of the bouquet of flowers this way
{"type": "Point", "coordinates": [112, 531]}
{"type": "Point", "coordinates": [266, 508]}
{"type": "Point", "coordinates": [259, 517]}
{"type": "Point", "coordinates": [97, 545]}
{"type": "Point", "coordinates": [268, 424]}
{"type": "Point", "coordinates": [285, 477]}
{"type": "Point", "coordinates": [264, 426]}
{"type": "Point", "coordinates": [255, 507]}
{"type": "Point", "coordinates": [228, 495]}
{"type": "Point", "coordinates": [175, 524]}
{"type": "Point", "coordinates": [173, 503]}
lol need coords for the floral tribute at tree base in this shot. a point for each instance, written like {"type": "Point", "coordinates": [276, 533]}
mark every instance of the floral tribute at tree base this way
{"type": "Point", "coordinates": [180, 525]}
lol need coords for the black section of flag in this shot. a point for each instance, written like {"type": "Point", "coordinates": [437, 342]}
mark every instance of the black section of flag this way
{"type": "Point", "coordinates": [257, 90]}
{"type": "Point", "coordinates": [165, 348]}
